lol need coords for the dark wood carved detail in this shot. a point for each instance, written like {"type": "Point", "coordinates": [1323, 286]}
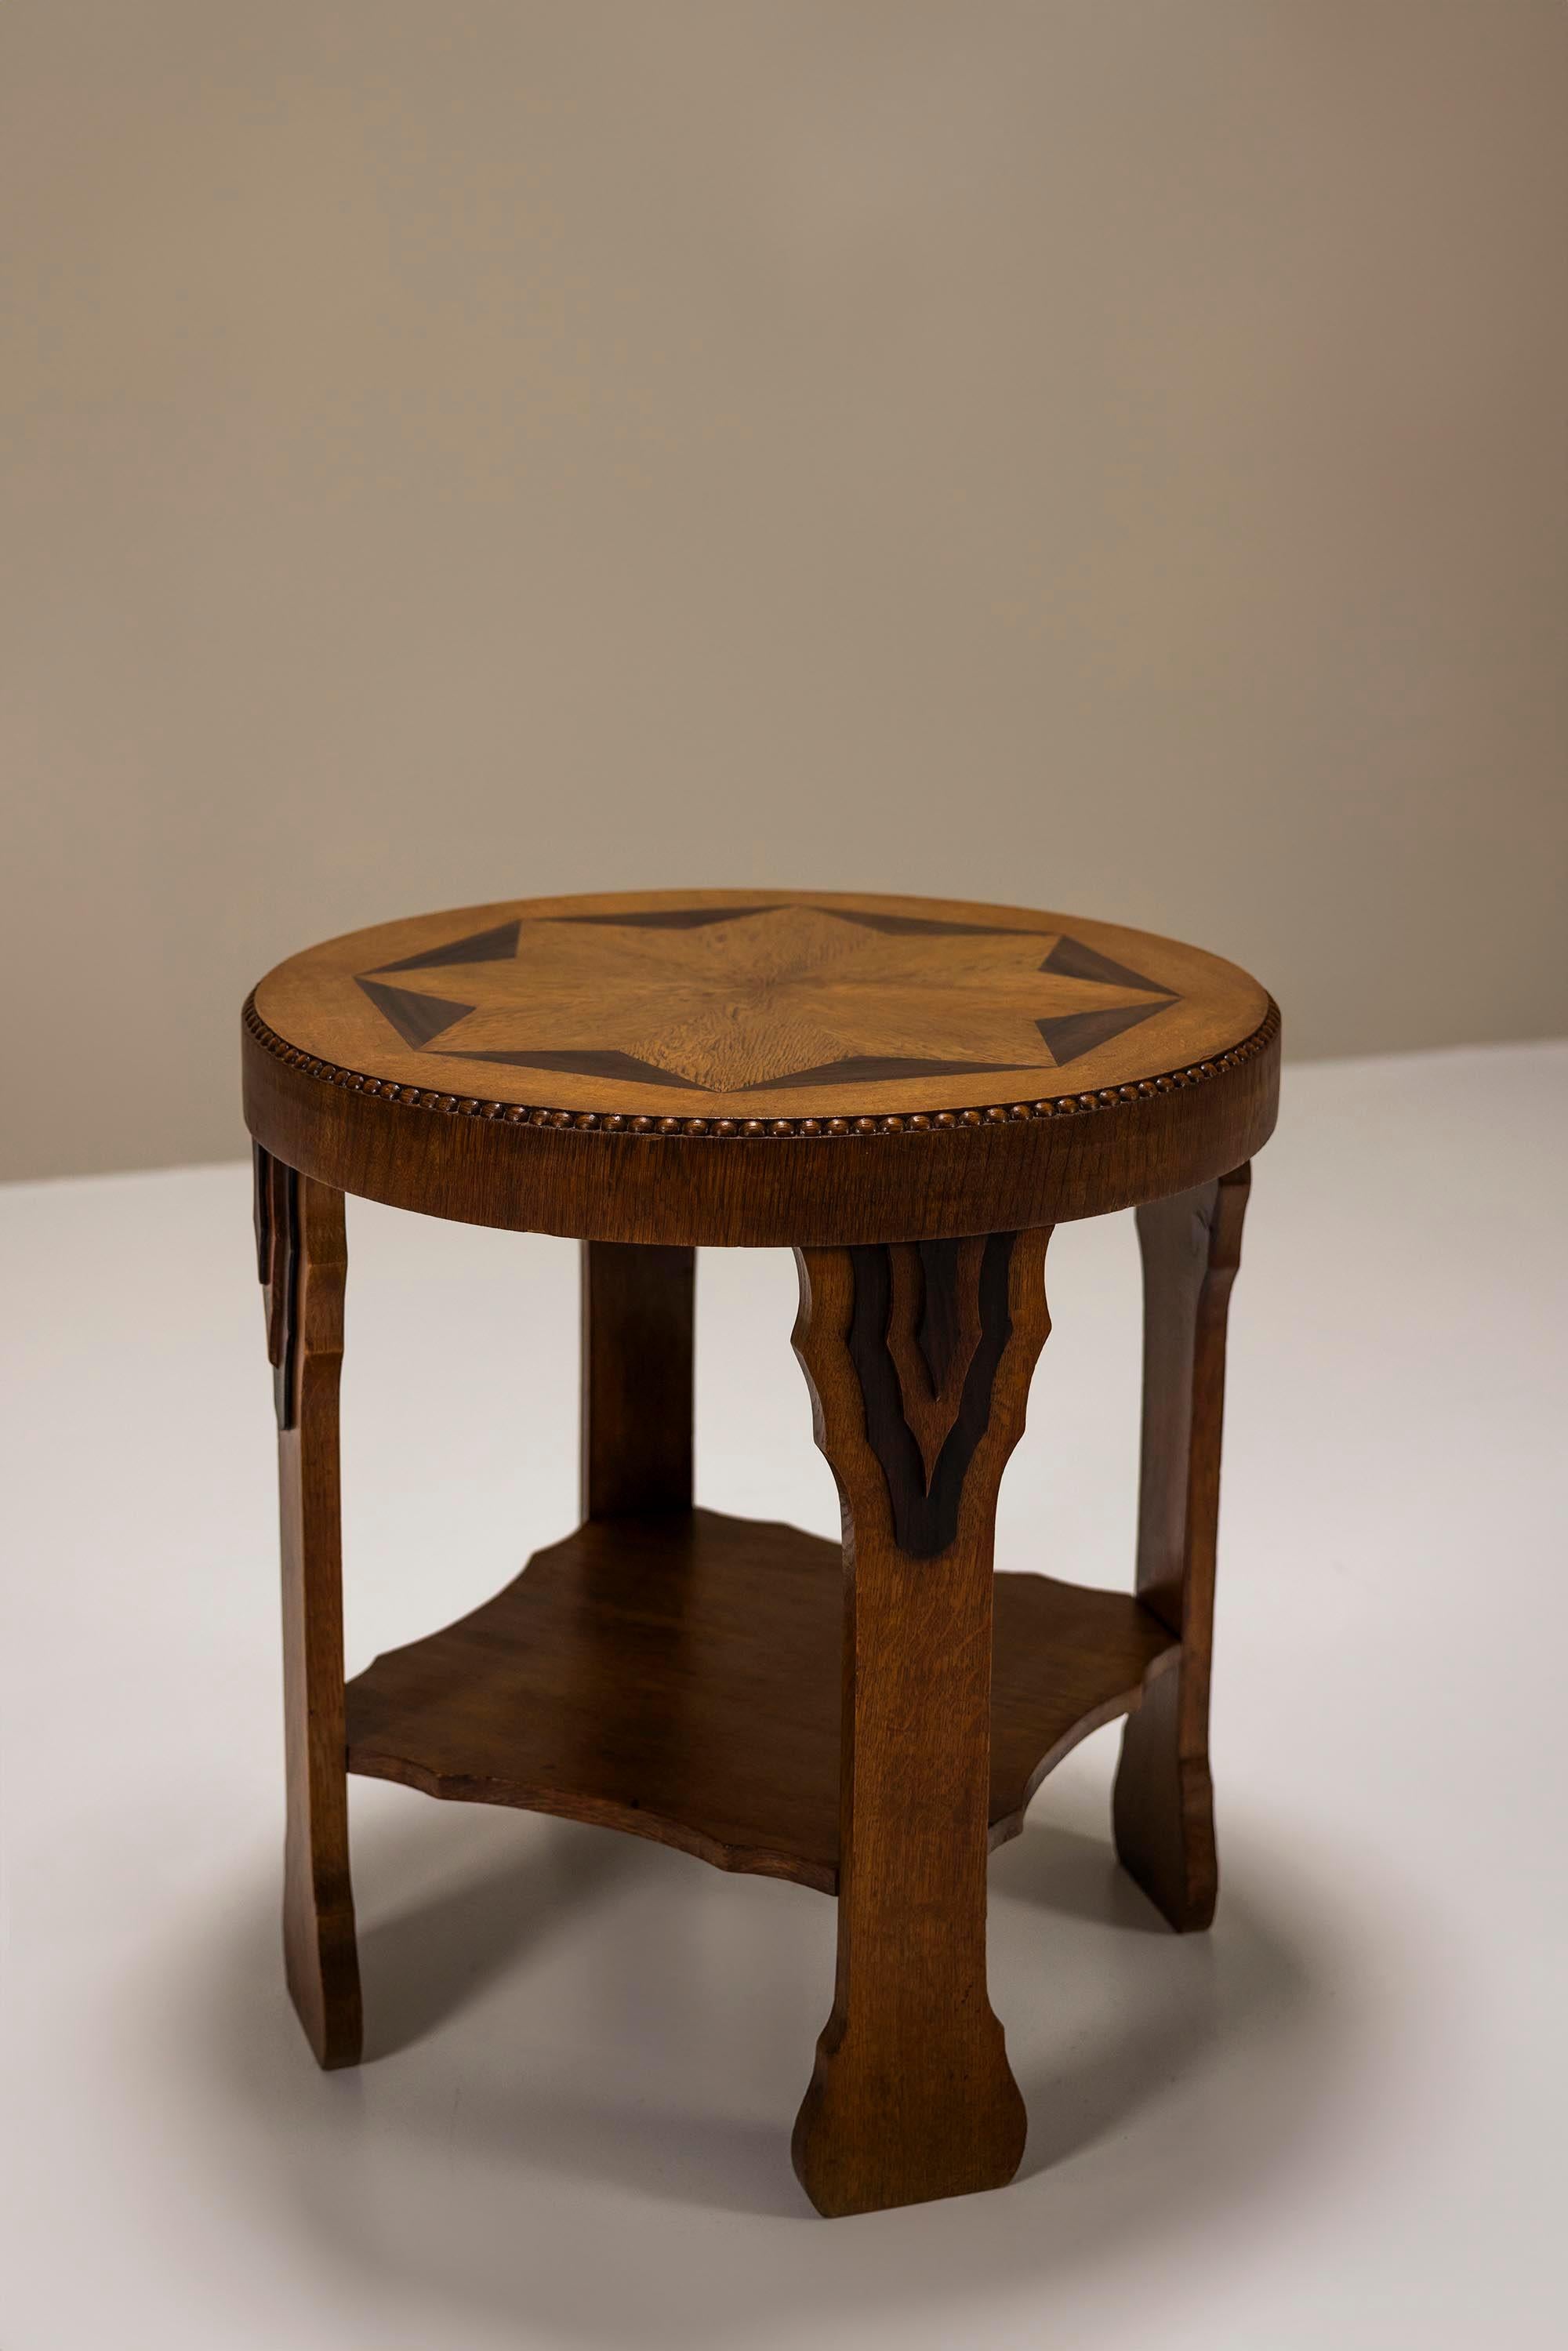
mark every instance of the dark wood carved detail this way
{"type": "Point", "coordinates": [933, 1330]}
{"type": "Point", "coordinates": [947, 1328]}
{"type": "Point", "coordinates": [924, 1461]}
{"type": "Point", "coordinates": [277, 1267]}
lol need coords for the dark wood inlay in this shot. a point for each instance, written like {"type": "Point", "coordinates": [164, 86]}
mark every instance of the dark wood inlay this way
{"type": "Point", "coordinates": [788, 984]}
{"type": "Point", "coordinates": [416, 1018]}
{"type": "Point", "coordinates": [586, 1064]}
{"type": "Point", "coordinates": [277, 1193]}
{"type": "Point", "coordinates": [1072, 960]}
{"type": "Point", "coordinates": [481, 947]}
{"type": "Point", "coordinates": [670, 919]}
{"type": "Point", "coordinates": [870, 1069]}
{"type": "Point", "coordinates": [948, 1329]}
{"type": "Point", "coordinates": [792, 1007]}
{"type": "Point", "coordinates": [925, 1507]}
{"type": "Point", "coordinates": [933, 1330]}
{"type": "Point", "coordinates": [1072, 1034]}
{"type": "Point", "coordinates": [911, 926]}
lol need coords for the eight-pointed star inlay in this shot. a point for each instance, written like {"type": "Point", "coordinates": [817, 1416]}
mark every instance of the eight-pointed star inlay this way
{"type": "Point", "coordinates": [741, 999]}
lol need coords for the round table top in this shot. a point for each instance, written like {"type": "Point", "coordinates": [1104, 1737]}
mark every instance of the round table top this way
{"type": "Point", "coordinates": [760, 1005]}
{"type": "Point", "coordinates": [762, 1015]}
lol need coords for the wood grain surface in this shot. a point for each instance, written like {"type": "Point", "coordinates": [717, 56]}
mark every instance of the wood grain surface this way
{"type": "Point", "coordinates": [868, 1721]}
{"type": "Point", "coordinates": [304, 1259]}
{"type": "Point", "coordinates": [912, 2096]}
{"type": "Point", "coordinates": [679, 1675]}
{"type": "Point", "coordinates": [638, 1307]}
{"type": "Point", "coordinates": [1066, 1120]}
{"type": "Point", "coordinates": [756, 1006]}
{"type": "Point", "coordinates": [1164, 1805]}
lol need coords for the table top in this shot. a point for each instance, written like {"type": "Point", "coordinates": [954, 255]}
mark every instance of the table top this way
{"type": "Point", "coordinates": [729, 1067]}
{"type": "Point", "coordinates": [758, 1005]}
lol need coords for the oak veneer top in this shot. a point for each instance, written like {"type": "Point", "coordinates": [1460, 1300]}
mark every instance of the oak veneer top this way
{"type": "Point", "coordinates": [731, 1068]}
{"type": "Point", "coordinates": [757, 1005]}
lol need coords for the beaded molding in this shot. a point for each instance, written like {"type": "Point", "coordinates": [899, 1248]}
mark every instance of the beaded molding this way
{"type": "Point", "coordinates": [883, 1123]}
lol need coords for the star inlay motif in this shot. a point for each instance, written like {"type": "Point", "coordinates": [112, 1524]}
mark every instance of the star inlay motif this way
{"type": "Point", "coordinates": [740, 1000]}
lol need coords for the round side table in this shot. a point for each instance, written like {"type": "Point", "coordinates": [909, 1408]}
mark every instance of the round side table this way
{"type": "Point", "coordinates": [910, 1093]}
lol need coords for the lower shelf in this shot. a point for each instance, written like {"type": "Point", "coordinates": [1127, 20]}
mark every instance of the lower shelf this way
{"type": "Point", "coordinates": [679, 1677]}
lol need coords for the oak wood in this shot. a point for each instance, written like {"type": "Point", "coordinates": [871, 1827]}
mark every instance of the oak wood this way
{"type": "Point", "coordinates": [1187, 1091]}
{"type": "Point", "coordinates": [759, 1192]}
{"type": "Point", "coordinates": [910, 1093]}
{"type": "Point", "coordinates": [912, 2096]}
{"type": "Point", "coordinates": [931, 1330]}
{"type": "Point", "coordinates": [757, 1005]}
{"type": "Point", "coordinates": [679, 1675]}
{"type": "Point", "coordinates": [1164, 1803]}
{"type": "Point", "coordinates": [301, 1228]}
{"type": "Point", "coordinates": [637, 1368]}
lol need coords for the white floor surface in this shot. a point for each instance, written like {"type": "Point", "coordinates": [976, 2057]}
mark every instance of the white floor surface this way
{"type": "Point", "coordinates": [1337, 2120]}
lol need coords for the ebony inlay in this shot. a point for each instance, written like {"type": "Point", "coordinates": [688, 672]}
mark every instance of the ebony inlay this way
{"type": "Point", "coordinates": [912, 926]}
{"type": "Point", "coordinates": [482, 946]}
{"type": "Point", "coordinates": [940, 1321]}
{"type": "Point", "coordinates": [276, 1212]}
{"type": "Point", "coordinates": [1071, 1035]}
{"type": "Point", "coordinates": [856, 1068]}
{"type": "Point", "coordinates": [587, 1063]}
{"type": "Point", "coordinates": [1072, 960]}
{"type": "Point", "coordinates": [669, 918]}
{"type": "Point", "coordinates": [784, 1006]}
{"type": "Point", "coordinates": [416, 1018]}
{"type": "Point", "coordinates": [925, 1507]}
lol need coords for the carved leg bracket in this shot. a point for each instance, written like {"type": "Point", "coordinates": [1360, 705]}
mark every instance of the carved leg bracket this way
{"type": "Point", "coordinates": [918, 1358]}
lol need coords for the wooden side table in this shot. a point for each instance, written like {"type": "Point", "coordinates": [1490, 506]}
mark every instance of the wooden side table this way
{"type": "Point", "coordinates": [910, 1093]}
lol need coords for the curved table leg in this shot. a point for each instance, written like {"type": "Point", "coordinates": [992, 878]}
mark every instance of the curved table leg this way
{"type": "Point", "coordinates": [303, 1259]}
{"type": "Point", "coordinates": [918, 1357]}
{"type": "Point", "coordinates": [1164, 1803]}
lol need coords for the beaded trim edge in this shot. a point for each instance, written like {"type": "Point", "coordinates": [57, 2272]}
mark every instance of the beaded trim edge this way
{"type": "Point", "coordinates": [722, 1129]}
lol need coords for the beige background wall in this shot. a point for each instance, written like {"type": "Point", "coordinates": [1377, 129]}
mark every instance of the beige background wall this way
{"type": "Point", "coordinates": [1100, 454]}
